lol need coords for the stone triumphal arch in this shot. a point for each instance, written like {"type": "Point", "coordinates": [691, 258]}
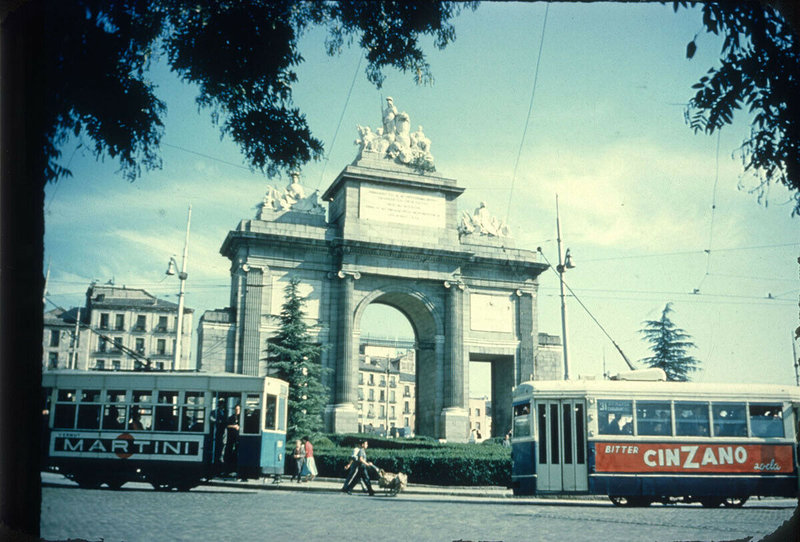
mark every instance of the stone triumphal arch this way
{"type": "Point", "coordinates": [392, 235]}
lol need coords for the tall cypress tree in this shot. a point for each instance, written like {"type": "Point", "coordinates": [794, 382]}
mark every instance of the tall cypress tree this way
{"type": "Point", "coordinates": [669, 345]}
{"type": "Point", "coordinates": [292, 356]}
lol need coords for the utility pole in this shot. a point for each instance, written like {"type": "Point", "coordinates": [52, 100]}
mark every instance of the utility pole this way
{"type": "Point", "coordinates": [563, 265]}
{"type": "Point", "coordinates": [176, 361]}
{"type": "Point", "coordinates": [76, 337]}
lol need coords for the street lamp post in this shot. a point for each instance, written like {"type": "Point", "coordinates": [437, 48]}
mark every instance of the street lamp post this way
{"type": "Point", "coordinates": [176, 360]}
{"type": "Point", "coordinates": [563, 265]}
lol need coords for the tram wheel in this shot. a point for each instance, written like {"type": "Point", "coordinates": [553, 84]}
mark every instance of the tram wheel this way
{"type": "Point", "coordinates": [629, 501]}
{"type": "Point", "coordinates": [115, 484]}
{"type": "Point", "coordinates": [734, 502]}
{"type": "Point", "coordinates": [711, 502]}
{"type": "Point", "coordinates": [88, 482]}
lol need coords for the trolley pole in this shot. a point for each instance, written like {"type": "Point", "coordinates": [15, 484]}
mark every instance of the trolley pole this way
{"type": "Point", "coordinates": [563, 265]}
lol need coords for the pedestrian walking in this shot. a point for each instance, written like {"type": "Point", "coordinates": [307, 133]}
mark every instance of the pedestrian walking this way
{"type": "Point", "coordinates": [362, 474]}
{"type": "Point", "coordinates": [299, 455]}
{"type": "Point", "coordinates": [311, 464]}
{"type": "Point", "coordinates": [351, 469]}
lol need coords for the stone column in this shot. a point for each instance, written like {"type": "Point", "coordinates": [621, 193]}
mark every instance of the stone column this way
{"type": "Point", "coordinates": [454, 417]}
{"type": "Point", "coordinates": [343, 413]}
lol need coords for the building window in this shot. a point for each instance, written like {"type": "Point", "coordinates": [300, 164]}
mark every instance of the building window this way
{"type": "Point", "coordinates": [115, 364]}
{"type": "Point", "coordinates": [140, 346]}
{"type": "Point", "coordinates": [383, 381]}
{"type": "Point", "coordinates": [391, 396]}
{"type": "Point", "coordinates": [120, 322]}
{"type": "Point", "coordinates": [140, 322]}
{"type": "Point", "coordinates": [360, 394]}
{"type": "Point", "coordinates": [118, 343]}
{"type": "Point", "coordinates": [371, 379]}
{"type": "Point", "coordinates": [52, 361]}
{"type": "Point", "coordinates": [383, 397]}
{"type": "Point", "coordinates": [405, 420]}
{"type": "Point", "coordinates": [162, 323]}
{"type": "Point", "coordinates": [104, 320]}
{"type": "Point", "coordinates": [161, 347]}
{"type": "Point", "coordinates": [160, 365]}
{"type": "Point", "coordinates": [405, 409]}
{"type": "Point", "coordinates": [391, 412]}
{"type": "Point", "coordinates": [392, 383]}
{"type": "Point", "coordinates": [371, 394]}
{"type": "Point", "coordinates": [55, 335]}
{"type": "Point", "coordinates": [406, 392]}
{"type": "Point", "coordinates": [477, 413]}
{"type": "Point", "coordinates": [383, 411]}
{"type": "Point", "coordinates": [360, 378]}
{"type": "Point", "coordinates": [102, 344]}
{"type": "Point", "coordinates": [100, 364]}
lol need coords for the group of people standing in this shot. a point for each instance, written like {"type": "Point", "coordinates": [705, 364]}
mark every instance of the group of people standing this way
{"type": "Point", "coordinates": [303, 455]}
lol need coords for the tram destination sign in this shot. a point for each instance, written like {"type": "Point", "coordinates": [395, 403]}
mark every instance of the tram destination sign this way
{"type": "Point", "coordinates": [693, 457]}
{"type": "Point", "coordinates": [127, 446]}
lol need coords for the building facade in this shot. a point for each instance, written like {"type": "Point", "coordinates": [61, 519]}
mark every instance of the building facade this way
{"type": "Point", "coordinates": [115, 321]}
{"type": "Point", "coordinates": [480, 418]}
{"type": "Point", "coordinates": [386, 390]}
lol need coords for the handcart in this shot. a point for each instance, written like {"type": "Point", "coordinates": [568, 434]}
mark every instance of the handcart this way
{"type": "Point", "coordinates": [392, 483]}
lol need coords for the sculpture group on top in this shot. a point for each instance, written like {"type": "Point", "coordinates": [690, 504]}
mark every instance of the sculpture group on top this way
{"type": "Point", "coordinates": [395, 141]}
{"type": "Point", "coordinates": [291, 198]}
{"type": "Point", "coordinates": [482, 223]}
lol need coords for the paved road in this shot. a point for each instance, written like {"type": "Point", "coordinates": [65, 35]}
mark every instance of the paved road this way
{"type": "Point", "coordinates": [137, 513]}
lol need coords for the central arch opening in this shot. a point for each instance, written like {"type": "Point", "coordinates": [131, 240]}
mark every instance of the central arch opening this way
{"type": "Point", "coordinates": [399, 372]}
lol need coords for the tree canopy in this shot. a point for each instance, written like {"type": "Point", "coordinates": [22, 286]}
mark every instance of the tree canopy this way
{"type": "Point", "coordinates": [293, 357]}
{"type": "Point", "coordinates": [240, 53]}
{"type": "Point", "coordinates": [669, 345]}
{"type": "Point", "coordinates": [759, 69]}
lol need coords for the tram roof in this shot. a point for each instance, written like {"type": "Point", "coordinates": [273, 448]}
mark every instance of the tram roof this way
{"type": "Point", "coordinates": [156, 380]}
{"type": "Point", "coordinates": [625, 389]}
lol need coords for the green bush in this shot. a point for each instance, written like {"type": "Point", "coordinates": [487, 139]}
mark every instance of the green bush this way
{"type": "Point", "coordinates": [442, 464]}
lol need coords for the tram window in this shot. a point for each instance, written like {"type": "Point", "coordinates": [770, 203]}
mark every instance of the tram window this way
{"type": "Point", "coordinates": [615, 417]}
{"type": "Point", "coordinates": [691, 419]}
{"type": "Point", "coordinates": [272, 410]}
{"type": "Point", "coordinates": [89, 410]}
{"type": "Point", "coordinates": [653, 418]}
{"type": "Point", "coordinates": [252, 414]}
{"type": "Point", "coordinates": [554, 459]}
{"type": "Point", "coordinates": [766, 420]}
{"type": "Point", "coordinates": [114, 416]}
{"type": "Point", "coordinates": [141, 418]}
{"type": "Point", "coordinates": [567, 418]}
{"type": "Point", "coordinates": [193, 419]}
{"type": "Point", "coordinates": [64, 417]}
{"type": "Point", "coordinates": [195, 398]}
{"type": "Point", "coordinates": [541, 420]}
{"type": "Point", "coordinates": [522, 420]}
{"type": "Point", "coordinates": [115, 396]}
{"type": "Point", "coordinates": [140, 396]}
{"type": "Point", "coordinates": [579, 437]}
{"type": "Point", "coordinates": [729, 420]}
{"type": "Point", "coordinates": [167, 411]}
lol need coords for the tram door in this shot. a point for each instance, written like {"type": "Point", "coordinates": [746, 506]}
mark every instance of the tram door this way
{"type": "Point", "coordinates": [561, 459]}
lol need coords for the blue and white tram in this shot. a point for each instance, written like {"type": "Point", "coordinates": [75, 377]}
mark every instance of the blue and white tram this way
{"type": "Point", "coordinates": [643, 442]}
{"type": "Point", "coordinates": [169, 429]}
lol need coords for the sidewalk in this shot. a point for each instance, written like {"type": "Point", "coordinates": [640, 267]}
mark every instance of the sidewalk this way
{"type": "Point", "coordinates": [335, 485]}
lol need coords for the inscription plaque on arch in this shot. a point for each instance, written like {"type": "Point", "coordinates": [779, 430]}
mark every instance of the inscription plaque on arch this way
{"type": "Point", "coordinates": [401, 205]}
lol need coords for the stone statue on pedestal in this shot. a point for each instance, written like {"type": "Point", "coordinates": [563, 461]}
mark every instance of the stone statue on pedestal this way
{"type": "Point", "coordinates": [291, 198]}
{"type": "Point", "coordinates": [482, 223]}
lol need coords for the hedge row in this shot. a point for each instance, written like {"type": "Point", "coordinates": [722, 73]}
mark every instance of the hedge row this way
{"type": "Point", "coordinates": [453, 464]}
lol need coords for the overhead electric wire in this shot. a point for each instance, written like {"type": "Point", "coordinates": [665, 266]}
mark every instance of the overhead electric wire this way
{"type": "Point", "coordinates": [528, 116]}
{"type": "Point", "coordinates": [341, 118]}
{"type": "Point", "coordinates": [713, 213]}
{"type": "Point", "coordinates": [220, 160]}
{"type": "Point", "coordinates": [688, 252]}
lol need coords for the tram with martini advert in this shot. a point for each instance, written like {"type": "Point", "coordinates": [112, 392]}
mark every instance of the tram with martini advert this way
{"type": "Point", "coordinates": [641, 442]}
{"type": "Point", "coordinates": [170, 429]}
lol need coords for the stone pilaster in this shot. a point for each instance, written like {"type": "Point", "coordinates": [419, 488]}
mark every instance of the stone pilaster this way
{"type": "Point", "coordinates": [250, 347]}
{"type": "Point", "coordinates": [342, 414]}
{"type": "Point", "coordinates": [454, 419]}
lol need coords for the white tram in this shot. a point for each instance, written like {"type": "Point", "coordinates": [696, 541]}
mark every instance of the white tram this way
{"type": "Point", "coordinates": [169, 429]}
{"type": "Point", "coordinates": [644, 442]}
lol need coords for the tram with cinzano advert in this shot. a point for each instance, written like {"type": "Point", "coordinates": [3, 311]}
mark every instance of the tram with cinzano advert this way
{"type": "Point", "coordinates": [641, 442]}
{"type": "Point", "coordinates": [173, 430]}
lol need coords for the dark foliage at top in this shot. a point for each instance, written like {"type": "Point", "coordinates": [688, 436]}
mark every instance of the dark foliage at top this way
{"type": "Point", "coordinates": [240, 53]}
{"type": "Point", "coordinates": [760, 70]}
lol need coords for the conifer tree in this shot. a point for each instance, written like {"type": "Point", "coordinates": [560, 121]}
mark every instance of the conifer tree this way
{"type": "Point", "coordinates": [291, 356]}
{"type": "Point", "coordinates": [669, 345]}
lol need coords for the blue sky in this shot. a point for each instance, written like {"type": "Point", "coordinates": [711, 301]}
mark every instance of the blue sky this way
{"type": "Point", "coordinates": [606, 132]}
